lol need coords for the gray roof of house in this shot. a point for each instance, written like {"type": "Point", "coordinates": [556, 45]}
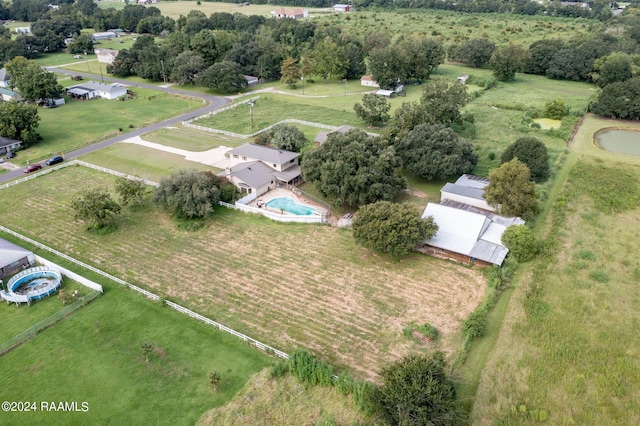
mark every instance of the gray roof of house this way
{"type": "Point", "coordinates": [3, 75]}
{"type": "Point", "coordinates": [264, 153]}
{"type": "Point", "coordinates": [7, 141]}
{"type": "Point", "coordinates": [92, 86]}
{"type": "Point", "coordinates": [10, 253]}
{"type": "Point", "coordinates": [253, 173]}
{"type": "Point", "coordinates": [467, 233]}
{"type": "Point", "coordinates": [472, 181]}
{"type": "Point", "coordinates": [465, 191]}
{"type": "Point", "coordinates": [322, 136]}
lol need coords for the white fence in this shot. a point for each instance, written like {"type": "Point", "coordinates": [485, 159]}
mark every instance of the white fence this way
{"type": "Point", "coordinates": [64, 271]}
{"type": "Point", "coordinates": [275, 216]}
{"type": "Point", "coordinates": [150, 295]}
{"type": "Point", "coordinates": [247, 198]}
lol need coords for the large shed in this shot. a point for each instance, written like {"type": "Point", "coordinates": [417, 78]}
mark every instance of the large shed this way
{"type": "Point", "coordinates": [468, 189]}
{"type": "Point", "coordinates": [13, 258]}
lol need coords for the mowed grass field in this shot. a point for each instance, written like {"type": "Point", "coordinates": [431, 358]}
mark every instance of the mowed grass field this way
{"type": "Point", "coordinates": [95, 356]}
{"type": "Point", "coordinates": [287, 285]}
{"type": "Point", "coordinates": [568, 345]}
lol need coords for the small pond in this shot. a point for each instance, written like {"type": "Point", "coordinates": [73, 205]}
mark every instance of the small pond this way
{"type": "Point", "coordinates": [620, 141]}
{"type": "Point", "coordinates": [547, 123]}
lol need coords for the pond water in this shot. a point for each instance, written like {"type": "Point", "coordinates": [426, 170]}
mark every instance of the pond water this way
{"type": "Point", "coordinates": [547, 123]}
{"type": "Point", "coordinates": [621, 141]}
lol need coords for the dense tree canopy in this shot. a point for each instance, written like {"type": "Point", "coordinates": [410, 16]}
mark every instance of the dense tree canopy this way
{"type": "Point", "coordinates": [533, 153]}
{"type": "Point", "coordinates": [475, 51]}
{"type": "Point", "coordinates": [511, 190]}
{"type": "Point", "coordinates": [33, 82]}
{"type": "Point", "coordinates": [282, 136]}
{"type": "Point", "coordinates": [506, 61]}
{"type": "Point", "coordinates": [418, 391]}
{"type": "Point", "coordinates": [189, 193]}
{"type": "Point", "coordinates": [612, 68]}
{"type": "Point", "coordinates": [434, 151]}
{"type": "Point", "coordinates": [619, 100]}
{"type": "Point", "coordinates": [95, 207]}
{"type": "Point", "coordinates": [225, 77]}
{"type": "Point", "coordinates": [354, 169]}
{"type": "Point", "coordinates": [394, 228]}
{"type": "Point", "coordinates": [374, 109]}
{"type": "Point", "coordinates": [19, 121]}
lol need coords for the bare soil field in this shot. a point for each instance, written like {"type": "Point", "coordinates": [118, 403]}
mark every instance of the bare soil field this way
{"type": "Point", "coordinates": [287, 285]}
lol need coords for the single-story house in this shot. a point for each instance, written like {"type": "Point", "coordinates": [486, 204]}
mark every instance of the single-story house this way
{"type": "Point", "coordinates": [143, 2]}
{"type": "Point", "coordinates": [262, 168]}
{"type": "Point", "coordinates": [106, 56]}
{"type": "Point", "coordinates": [23, 30]}
{"type": "Point", "coordinates": [251, 80]}
{"type": "Point", "coordinates": [468, 189]}
{"type": "Point", "coordinates": [104, 35]}
{"type": "Point", "coordinates": [341, 7]}
{"type": "Point", "coordinates": [466, 236]}
{"type": "Point", "coordinates": [297, 13]}
{"type": "Point", "coordinates": [13, 258]}
{"type": "Point", "coordinates": [94, 89]}
{"type": "Point", "coordinates": [53, 6]}
{"type": "Point", "coordinates": [9, 95]}
{"type": "Point", "coordinates": [8, 144]}
{"type": "Point", "coordinates": [322, 136]}
{"type": "Point", "coordinates": [4, 78]}
{"type": "Point", "coordinates": [367, 80]}
{"type": "Point", "coordinates": [385, 93]}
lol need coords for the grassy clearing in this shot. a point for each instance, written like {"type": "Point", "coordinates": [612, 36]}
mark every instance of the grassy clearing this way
{"type": "Point", "coordinates": [190, 139]}
{"type": "Point", "coordinates": [567, 346]}
{"type": "Point", "coordinates": [285, 401]}
{"type": "Point", "coordinates": [141, 161]}
{"type": "Point", "coordinates": [288, 285]}
{"type": "Point", "coordinates": [95, 356]}
{"type": "Point", "coordinates": [74, 125]}
{"type": "Point", "coordinates": [18, 318]}
{"type": "Point", "coordinates": [453, 27]}
{"type": "Point", "coordinates": [176, 8]}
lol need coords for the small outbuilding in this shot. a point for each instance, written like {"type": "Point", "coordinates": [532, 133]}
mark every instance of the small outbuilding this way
{"type": "Point", "coordinates": [251, 80]}
{"type": "Point", "coordinates": [94, 89]}
{"type": "Point", "coordinates": [9, 95]}
{"type": "Point", "coordinates": [469, 190]}
{"type": "Point", "coordinates": [367, 80]}
{"type": "Point", "coordinates": [7, 145]}
{"type": "Point", "coordinates": [322, 136]}
{"type": "Point", "coordinates": [104, 35]}
{"type": "Point", "coordinates": [341, 8]}
{"type": "Point", "coordinates": [4, 78]}
{"type": "Point", "coordinates": [13, 258]}
{"type": "Point", "coordinates": [385, 93]}
{"type": "Point", "coordinates": [297, 13]}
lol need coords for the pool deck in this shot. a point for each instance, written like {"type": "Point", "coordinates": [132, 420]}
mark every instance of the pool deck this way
{"type": "Point", "coordinates": [282, 192]}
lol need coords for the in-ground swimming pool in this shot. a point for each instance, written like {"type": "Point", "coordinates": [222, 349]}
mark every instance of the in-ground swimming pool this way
{"type": "Point", "coordinates": [619, 140]}
{"type": "Point", "coordinates": [288, 204]}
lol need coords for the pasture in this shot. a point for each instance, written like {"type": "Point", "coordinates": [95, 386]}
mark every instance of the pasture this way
{"type": "Point", "coordinates": [567, 349]}
{"type": "Point", "coordinates": [95, 356]}
{"type": "Point", "coordinates": [285, 284]}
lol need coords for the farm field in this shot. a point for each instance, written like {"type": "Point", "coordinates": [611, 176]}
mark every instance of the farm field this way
{"type": "Point", "coordinates": [567, 350]}
{"type": "Point", "coordinates": [287, 285]}
{"type": "Point", "coordinates": [174, 9]}
{"type": "Point", "coordinates": [95, 356]}
{"type": "Point", "coordinates": [74, 125]}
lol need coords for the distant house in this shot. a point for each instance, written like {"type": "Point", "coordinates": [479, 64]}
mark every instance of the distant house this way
{"type": "Point", "coordinates": [4, 78]}
{"type": "Point", "coordinates": [23, 30]}
{"type": "Point", "coordinates": [8, 145]}
{"type": "Point", "coordinates": [53, 6]}
{"type": "Point", "coordinates": [145, 2]}
{"type": "Point", "coordinates": [13, 258]}
{"type": "Point", "coordinates": [104, 35]}
{"type": "Point", "coordinates": [322, 136]}
{"type": "Point", "coordinates": [466, 236]}
{"type": "Point", "coordinates": [106, 56]}
{"type": "Point", "coordinates": [262, 168]}
{"type": "Point", "coordinates": [251, 80]}
{"type": "Point", "coordinates": [9, 95]}
{"type": "Point", "coordinates": [297, 13]}
{"type": "Point", "coordinates": [341, 8]}
{"type": "Point", "coordinates": [94, 89]}
{"type": "Point", "coordinates": [469, 190]}
{"type": "Point", "coordinates": [367, 80]}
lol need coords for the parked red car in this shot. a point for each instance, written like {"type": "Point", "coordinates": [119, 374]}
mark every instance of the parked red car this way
{"type": "Point", "coordinates": [32, 168]}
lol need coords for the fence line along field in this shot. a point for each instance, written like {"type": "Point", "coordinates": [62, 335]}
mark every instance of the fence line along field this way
{"type": "Point", "coordinates": [286, 285]}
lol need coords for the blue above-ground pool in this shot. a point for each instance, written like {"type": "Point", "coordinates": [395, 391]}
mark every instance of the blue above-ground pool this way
{"type": "Point", "coordinates": [32, 284]}
{"type": "Point", "coordinates": [288, 204]}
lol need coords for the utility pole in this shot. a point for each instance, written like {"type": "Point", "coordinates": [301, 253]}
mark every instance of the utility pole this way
{"type": "Point", "coordinates": [164, 77]}
{"type": "Point", "coordinates": [345, 86]}
{"type": "Point", "coordinates": [302, 78]}
{"type": "Point", "coordinates": [251, 104]}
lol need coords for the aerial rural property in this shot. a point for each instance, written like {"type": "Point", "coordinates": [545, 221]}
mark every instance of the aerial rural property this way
{"type": "Point", "coordinates": [316, 213]}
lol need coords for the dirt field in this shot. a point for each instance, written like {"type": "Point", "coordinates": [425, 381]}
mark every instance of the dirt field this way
{"type": "Point", "coordinates": [287, 285]}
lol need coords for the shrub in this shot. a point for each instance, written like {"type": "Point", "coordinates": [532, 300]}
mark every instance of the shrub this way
{"type": "Point", "coordinates": [599, 275]}
{"type": "Point", "coordinates": [475, 323]}
{"type": "Point", "coordinates": [521, 242]}
{"type": "Point", "coordinates": [279, 369]}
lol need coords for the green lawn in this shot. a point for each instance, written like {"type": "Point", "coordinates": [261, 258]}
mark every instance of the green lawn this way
{"type": "Point", "coordinates": [18, 318]}
{"type": "Point", "coordinates": [191, 139]}
{"type": "Point", "coordinates": [95, 356]}
{"type": "Point", "coordinates": [137, 160]}
{"type": "Point", "coordinates": [75, 124]}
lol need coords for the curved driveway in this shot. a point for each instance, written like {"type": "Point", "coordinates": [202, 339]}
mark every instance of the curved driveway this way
{"type": "Point", "coordinates": [214, 102]}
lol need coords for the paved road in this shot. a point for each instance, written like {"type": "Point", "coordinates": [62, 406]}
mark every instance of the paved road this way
{"type": "Point", "coordinates": [214, 102]}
